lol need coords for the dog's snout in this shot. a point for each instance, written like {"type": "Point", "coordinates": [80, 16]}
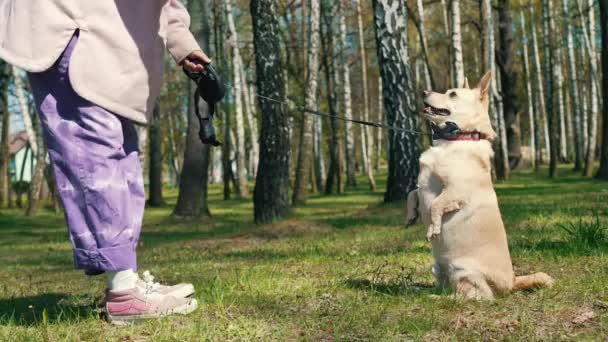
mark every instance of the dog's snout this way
{"type": "Point", "coordinates": [426, 93]}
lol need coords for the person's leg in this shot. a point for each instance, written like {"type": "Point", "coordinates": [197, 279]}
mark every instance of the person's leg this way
{"type": "Point", "coordinates": [99, 178]}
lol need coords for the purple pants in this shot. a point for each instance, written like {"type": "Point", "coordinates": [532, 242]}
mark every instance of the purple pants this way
{"type": "Point", "coordinates": [99, 178]}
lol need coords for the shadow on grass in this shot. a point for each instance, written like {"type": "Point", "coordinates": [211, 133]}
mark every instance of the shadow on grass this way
{"type": "Point", "coordinates": [393, 287]}
{"type": "Point", "coordinates": [44, 309]}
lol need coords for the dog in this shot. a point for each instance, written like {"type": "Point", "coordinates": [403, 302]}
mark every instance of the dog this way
{"type": "Point", "coordinates": [455, 198]}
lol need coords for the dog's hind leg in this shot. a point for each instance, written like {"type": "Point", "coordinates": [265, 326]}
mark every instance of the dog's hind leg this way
{"type": "Point", "coordinates": [412, 208]}
{"type": "Point", "coordinates": [471, 285]}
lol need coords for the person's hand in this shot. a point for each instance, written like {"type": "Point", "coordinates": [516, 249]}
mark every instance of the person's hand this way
{"type": "Point", "coordinates": [196, 61]}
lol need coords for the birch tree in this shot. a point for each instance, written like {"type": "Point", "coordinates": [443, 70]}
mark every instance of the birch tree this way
{"type": "Point", "coordinates": [502, 160]}
{"type": "Point", "coordinates": [399, 102]}
{"type": "Point", "coordinates": [574, 93]}
{"type": "Point", "coordinates": [155, 197]}
{"type": "Point", "coordinates": [456, 42]}
{"type": "Point", "coordinates": [559, 89]}
{"type": "Point", "coordinates": [550, 77]}
{"type": "Point", "coordinates": [602, 173]}
{"type": "Point", "coordinates": [367, 145]}
{"type": "Point", "coordinates": [25, 109]}
{"type": "Point", "coordinates": [5, 140]}
{"type": "Point", "coordinates": [588, 25]}
{"type": "Point", "coordinates": [300, 194]}
{"type": "Point", "coordinates": [237, 66]}
{"type": "Point", "coordinates": [539, 94]}
{"type": "Point", "coordinates": [270, 196]}
{"type": "Point", "coordinates": [351, 178]}
{"type": "Point", "coordinates": [530, 96]}
{"type": "Point", "coordinates": [428, 73]}
{"type": "Point", "coordinates": [250, 110]}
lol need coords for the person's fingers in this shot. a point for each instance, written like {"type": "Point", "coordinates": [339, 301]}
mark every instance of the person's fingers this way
{"type": "Point", "coordinates": [193, 67]}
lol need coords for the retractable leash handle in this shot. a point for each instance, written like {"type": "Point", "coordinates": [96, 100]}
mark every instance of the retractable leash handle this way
{"type": "Point", "coordinates": [210, 88]}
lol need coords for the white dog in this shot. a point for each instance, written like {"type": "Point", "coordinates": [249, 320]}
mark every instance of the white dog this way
{"type": "Point", "coordinates": [456, 199]}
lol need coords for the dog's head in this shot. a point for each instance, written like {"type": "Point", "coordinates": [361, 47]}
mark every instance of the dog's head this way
{"type": "Point", "coordinates": [467, 108]}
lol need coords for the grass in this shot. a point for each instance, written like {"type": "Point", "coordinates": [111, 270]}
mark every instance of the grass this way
{"type": "Point", "coordinates": [341, 268]}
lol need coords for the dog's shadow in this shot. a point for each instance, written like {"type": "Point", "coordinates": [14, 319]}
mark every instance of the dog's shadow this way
{"type": "Point", "coordinates": [393, 287]}
{"type": "Point", "coordinates": [45, 309]}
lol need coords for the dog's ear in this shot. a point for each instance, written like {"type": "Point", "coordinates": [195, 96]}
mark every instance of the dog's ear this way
{"type": "Point", "coordinates": [484, 85]}
{"type": "Point", "coordinates": [466, 83]}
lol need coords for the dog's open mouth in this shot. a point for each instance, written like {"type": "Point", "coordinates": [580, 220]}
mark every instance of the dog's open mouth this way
{"type": "Point", "coordinates": [430, 110]}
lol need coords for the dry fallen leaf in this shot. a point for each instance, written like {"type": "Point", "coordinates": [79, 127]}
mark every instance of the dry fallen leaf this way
{"type": "Point", "coordinates": [583, 316]}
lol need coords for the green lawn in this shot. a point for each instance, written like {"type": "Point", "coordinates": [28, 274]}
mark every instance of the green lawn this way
{"type": "Point", "coordinates": [341, 268]}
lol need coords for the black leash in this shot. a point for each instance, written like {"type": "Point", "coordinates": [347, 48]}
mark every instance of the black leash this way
{"type": "Point", "coordinates": [211, 88]}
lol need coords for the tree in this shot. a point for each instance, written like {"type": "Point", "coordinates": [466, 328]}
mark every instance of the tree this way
{"type": "Point", "coordinates": [351, 179]}
{"type": "Point", "coordinates": [192, 198]}
{"type": "Point", "coordinates": [242, 188]}
{"type": "Point", "coordinates": [508, 78]}
{"type": "Point", "coordinates": [155, 198]}
{"type": "Point", "coordinates": [496, 102]}
{"type": "Point", "coordinates": [300, 193]}
{"type": "Point", "coordinates": [332, 80]}
{"type": "Point", "coordinates": [404, 151]}
{"type": "Point", "coordinates": [602, 173]}
{"type": "Point", "coordinates": [539, 95]}
{"type": "Point", "coordinates": [37, 182]}
{"type": "Point", "coordinates": [5, 140]}
{"type": "Point", "coordinates": [367, 146]}
{"type": "Point", "coordinates": [550, 77]}
{"type": "Point", "coordinates": [574, 94]}
{"type": "Point", "coordinates": [457, 62]}
{"type": "Point", "coordinates": [270, 195]}
{"type": "Point", "coordinates": [529, 93]}
{"type": "Point", "coordinates": [589, 39]}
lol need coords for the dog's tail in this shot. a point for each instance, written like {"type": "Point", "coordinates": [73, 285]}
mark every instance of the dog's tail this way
{"type": "Point", "coordinates": [531, 281]}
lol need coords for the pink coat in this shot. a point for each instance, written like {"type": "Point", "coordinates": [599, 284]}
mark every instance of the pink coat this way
{"type": "Point", "coordinates": [118, 61]}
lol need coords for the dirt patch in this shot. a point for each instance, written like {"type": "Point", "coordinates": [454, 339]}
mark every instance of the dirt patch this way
{"type": "Point", "coordinates": [289, 229]}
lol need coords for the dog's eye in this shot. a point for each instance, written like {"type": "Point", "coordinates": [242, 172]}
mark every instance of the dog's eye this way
{"type": "Point", "coordinates": [453, 94]}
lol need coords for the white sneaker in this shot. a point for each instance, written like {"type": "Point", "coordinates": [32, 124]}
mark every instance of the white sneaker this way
{"type": "Point", "coordinates": [148, 284]}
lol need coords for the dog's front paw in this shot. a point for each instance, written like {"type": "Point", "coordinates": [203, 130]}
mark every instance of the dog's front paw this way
{"type": "Point", "coordinates": [433, 231]}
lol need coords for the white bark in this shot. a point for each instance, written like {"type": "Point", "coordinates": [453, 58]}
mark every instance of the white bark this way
{"type": "Point", "coordinates": [320, 170]}
{"type": "Point", "coordinates": [559, 86]}
{"type": "Point", "coordinates": [253, 125]}
{"type": "Point", "coordinates": [446, 27]}
{"type": "Point", "coordinates": [530, 96]}
{"type": "Point", "coordinates": [367, 143]}
{"type": "Point", "coordinates": [306, 134]}
{"type": "Point", "coordinates": [25, 109]}
{"type": "Point", "coordinates": [427, 67]}
{"type": "Point", "coordinates": [457, 45]}
{"type": "Point", "coordinates": [574, 94]}
{"type": "Point", "coordinates": [237, 66]}
{"type": "Point", "coordinates": [347, 102]}
{"type": "Point", "coordinates": [589, 38]}
{"type": "Point", "coordinates": [495, 99]}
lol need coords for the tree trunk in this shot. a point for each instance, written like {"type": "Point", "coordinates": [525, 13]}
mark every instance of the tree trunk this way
{"type": "Point", "coordinates": [37, 181]}
{"type": "Point", "coordinates": [5, 140]}
{"type": "Point", "coordinates": [602, 173]}
{"type": "Point", "coordinates": [456, 42]}
{"type": "Point", "coordinates": [242, 188]}
{"type": "Point", "coordinates": [25, 110]}
{"type": "Point", "coordinates": [529, 93]}
{"type": "Point", "coordinates": [300, 193]}
{"type": "Point", "coordinates": [367, 142]}
{"type": "Point", "coordinates": [509, 83]}
{"type": "Point", "coordinates": [250, 109]}
{"type": "Point", "coordinates": [496, 103]}
{"type": "Point", "coordinates": [381, 119]}
{"type": "Point", "coordinates": [351, 178]}
{"type": "Point", "coordinates": [192, 197]}
{"type": "Point", "coordinates": [446, 27]}
{"type": "Point", "coordinates": [329, 11]}
{"type": "Point", "coordinates": [589, 38]}
{"type": "Point", "coordinates": [550, 76]}
{"type": "Point", "coordinates": [399, 102]}
{"type": "Point", "coordinates": [270, 196]}
{"type": "Point", "coordinates": [574, 94]}
{"type": "Point", "coordinates": [428, 73]}
{"type": "Point", "coordinates": [559, 88]}
{"type": "Point", "coordinates": [156, 161]}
